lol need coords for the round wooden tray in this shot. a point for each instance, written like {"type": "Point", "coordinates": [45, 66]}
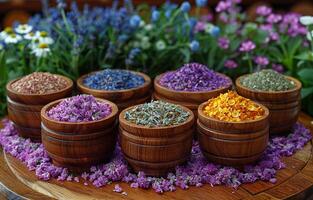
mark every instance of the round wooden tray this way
{"type": "Point", "coordinates": [293, 182]}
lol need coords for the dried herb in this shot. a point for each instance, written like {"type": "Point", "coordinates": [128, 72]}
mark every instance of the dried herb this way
{"type": "Point", "coordinates": [157, 114]}
{"type": "Point", "coordinates": [267, 80]}
{"type": "Point", "coordinates": [39, 83]}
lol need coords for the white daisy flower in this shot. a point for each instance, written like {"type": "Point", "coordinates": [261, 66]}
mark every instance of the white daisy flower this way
{"type": "Point", "coordinates": [7, 31]}
{"type": "Point", "coordinates": [12, 39]}
{"type": "Point", "coordinates": [41, 50]}
{"type": "Point", "coordinates": [23, 29]}
{"type": "Point", "coordinates": [306, 20]}
{"type": "Point", "coordinates": [160, 45]}
{"type": "Point", "coordinates": [43, 37]}
{"type": "Point", "coordinates": [29, 36]}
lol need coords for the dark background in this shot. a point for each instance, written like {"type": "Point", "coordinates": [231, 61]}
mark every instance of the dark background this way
{"type": "Point", "coordinates": [20, 10]}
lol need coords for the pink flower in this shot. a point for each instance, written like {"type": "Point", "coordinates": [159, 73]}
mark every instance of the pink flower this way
{"type": "Point", "coordinates": [274, 18]}
{"type": "Point", "coordinates": [200, 26]}
{"type": "Point", "coordinates": [223, 42]}
{"type": "Point", "coordinates": [274, 36]}
{"type": "Point", "coordinates": [261, 60]}
{"type": "Point", "coordinates": [247, 46]}
{"type": "Point", "coordinates": [263, 10]}
{"type": "Point", "coordinates": [223, 6]}
{"type": "Point", "coordinates": [277, 67]}
{"type": "Point", "coordinates": [230, 64]}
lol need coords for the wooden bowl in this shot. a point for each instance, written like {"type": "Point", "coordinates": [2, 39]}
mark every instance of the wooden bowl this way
{"type": "Point", "coordinates": [188, 99]}
{"type": "Point", "coordinates": [79, 145]}
{"type": "Point", "coordinates": [123, 98]}
{"type": "Point", "coordinates": [284, 106]}
{"type": "Point", "coordinates": [24, 109]}
{"type": "Point", "coordinates": [156, 150]}
{"type": "Point", "coordinates": [232, 143]}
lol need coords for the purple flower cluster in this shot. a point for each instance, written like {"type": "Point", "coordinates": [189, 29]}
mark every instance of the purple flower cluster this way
{"type": "Point", "coordinates": [196, 172]}
{"type": "Point", "coordinates": [261, 60]}
{"type": "Point", "coordinates": [247, 46]}
{"type": "Point", "coordinates": [194, 77]}
{"type": "Point", "coordinates": [230, 64]}
{"type": "Point", "coordinates": [223, 42]}
{"type": "Point", "coordinates": [263, 10]}
{"type": "Point", "coordinates": [80, 108]}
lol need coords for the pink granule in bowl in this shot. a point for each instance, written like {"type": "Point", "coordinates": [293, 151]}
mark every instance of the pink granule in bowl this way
{"type": "Point", "coordinates": [80, 108]}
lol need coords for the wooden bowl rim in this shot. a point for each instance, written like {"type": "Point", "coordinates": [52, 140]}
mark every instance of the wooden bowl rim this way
{"type": "Point", "coordinates": [69, 86]}
{"type": "Point", "coordinates": [266, 115]}
{"type": "Point", "coordinates": [157, 84]}
{"type": "Point", "coordinates": [147, 82]}
{"type": "Point", "coordinates": [121, 119]}
{"type": "Point", "coordinates": [296, 81]}
{"type": "Point", "coordinates": [44, 110]}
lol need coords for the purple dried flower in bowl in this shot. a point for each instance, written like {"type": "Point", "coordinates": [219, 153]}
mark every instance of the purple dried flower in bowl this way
{"type": "Point", "coordinates": [194, 77]}
{"type": "Point", "coordinates": [80, 108]}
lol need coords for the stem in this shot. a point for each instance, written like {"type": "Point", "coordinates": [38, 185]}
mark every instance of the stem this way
{"type": "Point", "coordinates": [250, 63]}
{"type": "Point", "coordinates": [65, 21]}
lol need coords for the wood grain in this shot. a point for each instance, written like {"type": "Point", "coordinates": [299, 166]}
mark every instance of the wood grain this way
{"type": "Point", "coordinates": [190, 100]}
{"type": "Point", "coordinates": [79, 145]}
{"type": "Point", "coordinates": [156, 150]}
{"type": "Point", "coordinates": [122, 98]}
{"type": "Point", "coordinates": [293, 183]}
{"type": "Point", "coordinates": [24, 109]}
{"type": "Point", "coordinates": [284, 106]}
{"type": "Point", "coordinates": [232, 143]}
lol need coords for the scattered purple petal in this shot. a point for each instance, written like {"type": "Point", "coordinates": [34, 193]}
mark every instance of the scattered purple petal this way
{"type": "Point", "coordinates": [197, 172]}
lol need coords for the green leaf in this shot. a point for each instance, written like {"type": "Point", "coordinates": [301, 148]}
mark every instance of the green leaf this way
{"type": "Point", "coordinates": [306, 75]}
{"type": "Point", "coordinates": [308, 56]}
{"type": "Point", "coordinates": [305, 92]}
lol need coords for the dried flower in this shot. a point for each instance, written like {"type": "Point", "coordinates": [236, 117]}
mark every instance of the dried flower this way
{"type": "Point", "coordinates": [80, 108]}
{"type": "Point", "coordinates": [196, 172]}
{"type": "Point", "coordinates": [113, 79]}
{"type": "Point", "coordinates": [232, 107]}
{"type": "Point", "coordinates": [194, 77]}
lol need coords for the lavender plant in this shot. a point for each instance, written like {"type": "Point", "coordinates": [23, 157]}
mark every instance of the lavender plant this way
{"type": "Point", "coordinates": [155, 40]}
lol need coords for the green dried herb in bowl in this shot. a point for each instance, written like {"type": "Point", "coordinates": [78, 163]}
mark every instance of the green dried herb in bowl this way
{"type": "Point", "coordinates": [267, 80]}
{"type": "Point", "coordinates": [157, 114]}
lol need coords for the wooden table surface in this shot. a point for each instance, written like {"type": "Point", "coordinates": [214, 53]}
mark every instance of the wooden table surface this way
{"type": "Point", "coordinates": [294, 182]}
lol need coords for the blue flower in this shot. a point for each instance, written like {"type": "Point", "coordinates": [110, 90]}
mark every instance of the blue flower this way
{"type": "Point", "coordinates": [135, 21]}
{"type": "Point", "coordinates": [61, 4]}
{"type": "Point", "coordinates": [215, 31]}
{"type": "Point", "coordinates": [155, 15]}
{"type": "Point", "coordinates": [194, 45]}
{"type": "Point", "coordinates": [201, 3]}
{"type": "Point", "coordinates": [168, 13]}
{"type": "Point", "coordinates": [185, 7]}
